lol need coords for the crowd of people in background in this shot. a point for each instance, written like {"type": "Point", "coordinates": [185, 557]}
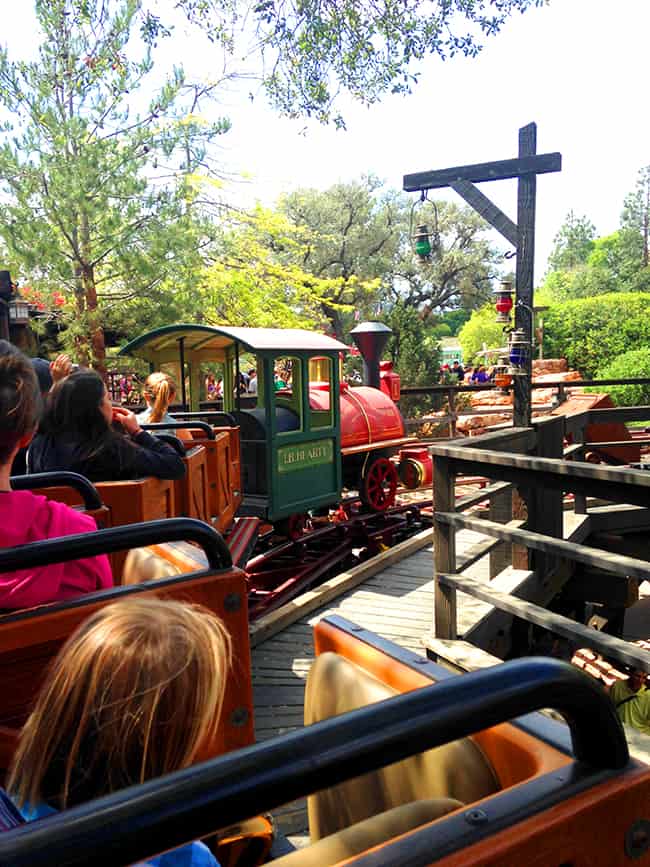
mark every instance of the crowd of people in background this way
{"type": "Point", "coordinates": [457, 374]}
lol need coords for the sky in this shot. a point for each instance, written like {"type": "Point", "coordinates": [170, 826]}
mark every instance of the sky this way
{"type": "Point", "coordinates": [577, 68]}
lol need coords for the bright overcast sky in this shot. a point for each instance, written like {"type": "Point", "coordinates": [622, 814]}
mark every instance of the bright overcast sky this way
{"type": "Point", "coordinates": [578, 68]}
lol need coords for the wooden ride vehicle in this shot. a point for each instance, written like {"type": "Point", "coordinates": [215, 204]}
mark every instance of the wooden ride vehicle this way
{"type": "Point", "coordinates": [30, 638]}
{"type": "Point", "coordinates": [403, 763]}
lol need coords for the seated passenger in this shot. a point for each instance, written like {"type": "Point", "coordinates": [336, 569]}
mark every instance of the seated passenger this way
{"type": "Point", "coordinates": [27, 517]}
{"type": "Point", "coordinates": [159, 392]}
{"type": "Point", "coordinates": [136, 692]}
{"type": "Point", "coordinates": [76, 434]}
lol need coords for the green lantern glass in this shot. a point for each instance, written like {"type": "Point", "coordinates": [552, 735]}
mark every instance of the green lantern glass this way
{"type": "Point", "coordinates": [422, 242]}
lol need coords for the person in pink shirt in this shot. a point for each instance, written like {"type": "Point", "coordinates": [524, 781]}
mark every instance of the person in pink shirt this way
{"type": "Point", "coordinates": [27, 517]}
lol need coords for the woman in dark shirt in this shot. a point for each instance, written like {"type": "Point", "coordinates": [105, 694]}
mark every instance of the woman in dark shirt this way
{"type": "Point", "coordinates": [78, 433]}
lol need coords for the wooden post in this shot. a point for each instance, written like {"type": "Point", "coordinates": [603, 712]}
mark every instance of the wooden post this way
{"type": "Point", "coordinates": [526, 194]}
{"type": "Point", "coordinates": [501, 512]}
{"type": "Point", "coordinates": [451, 401]}
{"type": "Point", "coordinates": [444, 551]}
{"type": "Point", "coordinates": [545, 509]}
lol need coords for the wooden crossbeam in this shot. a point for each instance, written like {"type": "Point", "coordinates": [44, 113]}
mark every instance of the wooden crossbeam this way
{"type": "Point", "coordinates": [614, 648]}
{"type": "Point", "coordinates": [487, 209]}
{"type": "Point", "coordinates": [619, 564]}
{"type": "Point", "coordinates": [493, 171]}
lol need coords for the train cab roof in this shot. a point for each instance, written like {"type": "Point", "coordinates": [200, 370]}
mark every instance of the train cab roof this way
{"type": "Point", "coordinates": [212, 343]}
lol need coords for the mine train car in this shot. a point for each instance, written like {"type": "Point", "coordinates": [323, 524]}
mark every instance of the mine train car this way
{"type": "Point", "coordinates": [402, 762]}
{"type": "Point", "coordinates": [299, 447]}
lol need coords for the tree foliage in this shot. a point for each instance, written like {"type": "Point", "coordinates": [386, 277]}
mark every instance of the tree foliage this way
{"type": "Point", "coordinates": [635, 363]}
{"type": "Point", "coordinates": [591, 332]}
{"type": "Point", "coordinates": [314, 51]}
{"type": "Point", "coordinates": [573, 243]}
{"type": "Point", "coordinates": [480, 331]}
{"type": "Point", "coordinates": [636, 214]}
{"type": "Point", "coordinates": [360, 235]}
{"type": "Point", "coordinates": [101, 200]}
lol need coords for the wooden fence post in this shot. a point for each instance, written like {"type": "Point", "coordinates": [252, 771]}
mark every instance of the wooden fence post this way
{"type": "Point", "coordinates": [545, 509]}
{"type": "Point", "coordinates": [501, 512]}
{"type": "Point", "coordinates": [444, 552]}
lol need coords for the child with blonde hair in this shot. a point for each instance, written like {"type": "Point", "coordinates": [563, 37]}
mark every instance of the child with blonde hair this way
{"type": "Point", "coordinates": [136, 692]}
{"type": "Point", "coordinates": [27, 517]}
{"type": "Point", "coordinates": [159, 392]}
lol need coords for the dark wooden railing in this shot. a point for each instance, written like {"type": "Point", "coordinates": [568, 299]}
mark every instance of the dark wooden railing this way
{"type": "Point", "coordinates": [540, 481]}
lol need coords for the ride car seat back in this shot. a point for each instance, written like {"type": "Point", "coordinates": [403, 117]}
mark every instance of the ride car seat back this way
{"type": "Point", "coordinates": [458, 770]}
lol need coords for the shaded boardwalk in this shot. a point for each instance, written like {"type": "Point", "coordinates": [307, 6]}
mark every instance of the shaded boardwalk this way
{"type": "Point", "coordinates": [397, 603]}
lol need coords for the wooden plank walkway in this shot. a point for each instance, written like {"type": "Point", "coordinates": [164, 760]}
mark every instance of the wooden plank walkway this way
{"type": "Point", "coordinates": [397, 603]}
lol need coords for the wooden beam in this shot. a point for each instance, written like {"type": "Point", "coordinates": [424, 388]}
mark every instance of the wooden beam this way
{"type": "Point", "coordinates": [619, 564]}
{"type": "Point", "coordinates": [472, 499]}
{"type": "Point", "coordinates": [524, 280]}
{"type": "Point", "coordinates": [496, 170]}
{"type": "Point", "coordinates": [619, 413]}
{"type": "Point", "coordinates": [487, 209]}
{"type": "Point", "coordinates": [444, 549]}
{"type": "Point", "coordinates": [618, 517]}
{"type": "Point", "coordinates": [614, 648]}
{"type": "Point", "coordinates": [618, 485]}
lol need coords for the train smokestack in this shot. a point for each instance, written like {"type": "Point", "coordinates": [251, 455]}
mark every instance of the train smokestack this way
{"type": "Point", "coordinates": [371, 338]}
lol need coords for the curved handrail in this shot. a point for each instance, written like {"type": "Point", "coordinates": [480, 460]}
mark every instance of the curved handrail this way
{"type": "Point", "coordinates": [213, 415]}
{"type": "Point", "coordinates": [176, 443]}
{"type": "Point", "coordinates": [178, 425]}
{"type": "Point", "coordinates": [117, 829]}
{"type": "Point", "coordinates": [107, 541]}
{"type": "Point", "coordinates": [63, 478]}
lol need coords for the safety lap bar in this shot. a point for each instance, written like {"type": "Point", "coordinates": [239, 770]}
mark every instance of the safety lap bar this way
{"type": "Point", "coordinates": [119, 829]}
{"type": "Point", "coordinates": [180, 425]}
{"type": "Point", "coordinates": [210, 415]}
{"type": "Point", "coordinates": [83, 486]}
{"type": "Point", "coordinates": [119, 539]}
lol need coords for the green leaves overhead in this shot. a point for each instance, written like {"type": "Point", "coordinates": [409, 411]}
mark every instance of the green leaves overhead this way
{"type": "Point", "coordinates": [314, 50]}
{"type": "Point", "coordinates": [100, 196]}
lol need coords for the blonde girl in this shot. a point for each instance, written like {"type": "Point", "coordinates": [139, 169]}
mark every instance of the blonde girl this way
{"type": "Point", "coordinates": [159, 392]}
{"type": "Point", "coordinates": [136, 692]}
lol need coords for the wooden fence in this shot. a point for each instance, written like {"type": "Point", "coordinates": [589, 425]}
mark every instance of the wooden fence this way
{"type": "Point", "coordinates": [533, 466]}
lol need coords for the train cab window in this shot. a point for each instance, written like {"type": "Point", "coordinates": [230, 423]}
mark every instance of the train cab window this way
{"type": "Point", "coordinates": [287, 394]}
{"type": "Point", "coordinates": [320, 389]}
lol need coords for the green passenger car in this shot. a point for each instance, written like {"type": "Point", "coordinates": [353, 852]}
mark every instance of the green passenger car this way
{"type": "Point", "coordinates": [291, 454]}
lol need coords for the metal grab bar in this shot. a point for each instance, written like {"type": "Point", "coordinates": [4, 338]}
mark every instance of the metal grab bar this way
{"type": "Point", "coordinates": [179, 425]}
{"type": "Point", "coordinates": [83, 545]}
{"type": "Point", "coordinates": [128, 826]}
{"type": "Point", "coordinates": [83, 486]}
{"type": "Point", "coordinates": [215, 416]}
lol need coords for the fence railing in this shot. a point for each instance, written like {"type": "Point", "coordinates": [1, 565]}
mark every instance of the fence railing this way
{"type": "Point", "coordinates": [541, 480]}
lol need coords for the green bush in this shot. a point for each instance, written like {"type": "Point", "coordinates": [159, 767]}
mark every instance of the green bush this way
{"type": "Point", "coordinates": [635, 363]}
{"type": "Point", "coordinates": [481, 328]}
{"type": "Point", "coordinates": [592, 333]}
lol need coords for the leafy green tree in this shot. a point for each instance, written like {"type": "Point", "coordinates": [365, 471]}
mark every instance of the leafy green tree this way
{"type": "Point", "coordinates": [415, 353]}
{"type": "Point", "coordinates": [100, 200]}
{"type": "Point", "coordinates": [481, 331]}
{"type": "Point", "coordinates": [350, 235]}
{"type": "Point", "coordinates": [360, 235]}
{"type": "Point", "coordinates": [314, 51]}
{"type": "Point", "coordinates": [591, 332]}
{"type": "Point", "coordinates": [636, 213]}
{"type": "Point", "coordinates": [573, 243]}
{"type": "Point", "coordinates": [635, 363]}
{"type": "Point", "coordinates": [246, 278]}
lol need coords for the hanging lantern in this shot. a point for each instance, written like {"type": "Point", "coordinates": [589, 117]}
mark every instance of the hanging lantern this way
{"type": "Point", "coordinates": [502, 374]}
{"type": "Point", "coordinates": [422, 242]}
{"type": "Point", "coordinates": [503, 302]}
{"type": "Point", "coordinates": [19, 312]}
{"type": "Point", "coordinates": [518, 351]}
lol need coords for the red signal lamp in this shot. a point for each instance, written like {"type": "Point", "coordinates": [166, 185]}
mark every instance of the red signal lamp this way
{"type": "Point", "coordinates": [504, 303]}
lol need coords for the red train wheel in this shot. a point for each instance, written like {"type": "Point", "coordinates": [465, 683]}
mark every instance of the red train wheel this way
{"type": "Point", "coordinates": [379, 484]}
